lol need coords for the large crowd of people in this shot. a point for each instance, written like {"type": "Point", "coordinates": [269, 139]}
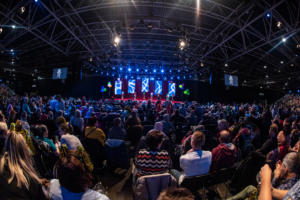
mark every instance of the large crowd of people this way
{"type": "Point", "coordinates": [57, 148]}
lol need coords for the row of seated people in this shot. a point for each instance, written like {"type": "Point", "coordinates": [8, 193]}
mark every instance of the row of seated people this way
{"type": "Point", "coordinates": [158, 151]}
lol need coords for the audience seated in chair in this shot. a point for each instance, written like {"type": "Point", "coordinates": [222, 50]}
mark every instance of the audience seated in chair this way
{"type": "Point", "coordinates": [225, 154]}
{"type": "Point", "coordinates": [151, 159]}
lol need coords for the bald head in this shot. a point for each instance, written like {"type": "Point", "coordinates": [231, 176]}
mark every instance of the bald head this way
{"type": "Point", "coordinates": [225, 136]}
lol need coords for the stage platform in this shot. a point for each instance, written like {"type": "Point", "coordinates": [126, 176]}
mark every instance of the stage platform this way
{"type": "Point", "coordinates": [142, 100]}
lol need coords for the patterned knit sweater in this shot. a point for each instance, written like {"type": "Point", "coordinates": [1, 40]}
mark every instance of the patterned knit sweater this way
{"type": "Point", "coordinates": [152, 162]}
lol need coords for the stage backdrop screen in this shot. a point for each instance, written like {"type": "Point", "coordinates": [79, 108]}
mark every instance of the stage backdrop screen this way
{"type": "Point", "coordinates": [118, 87]}
{"type": "Point", "coordinates": [131, 86]}
{"type": "Point", "coordinates": [60, 73]}
{"type": "Point", "coordinates": [231, 80]}
{"type": "Point", "coordinates": [158, 87]}
{"type": "Point", "coordinates": [172, 89]}
{"type": "Point", "coordinates": [145, 85]}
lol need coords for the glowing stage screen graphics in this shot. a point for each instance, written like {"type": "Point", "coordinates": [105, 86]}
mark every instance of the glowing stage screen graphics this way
{"type": "Point", "coordinates": [158, 87]}
{"type": "Point", "coordinates": [131, 86]}
{"type": "Point", "coordinates": [118, 87]}
{"type": "Point", "coordinates": [145, 85]}
{"type": "Point", "coordinates": [172, 89]}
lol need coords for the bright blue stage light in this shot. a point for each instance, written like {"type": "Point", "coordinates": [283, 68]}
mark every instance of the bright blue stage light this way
{"type": "Point", "coordinates": [268, 15]}
{"type": "Point", "coordinates": [114, 68]}
{"type": "Point", "coordinates": [178, 70]}
{"type": "Point", "coordinates": [137, 70]}
{"type": "Point", "coordinates": [146, 70]}
{"type": "Point", "coordinates": [151, 79]}
{"type": "Point", "coordinates": [162, 71]}
{"type": "Point", "coordinates": [126, 77]}
{"type": "Point", "coordinates": [178, 77]}
{"type": "Point", "coordinates": [36, 1]}
{"type": "Point", "coordinates": [129, 69]}
{"type": "Point", "coordinates": [170, 71]}
{"type": "Point", "coordinates": [121, 68]}
{"type": "Point", "coordinates": [154, 71]}
{"type": "Point", "coordinates": [171, 77]}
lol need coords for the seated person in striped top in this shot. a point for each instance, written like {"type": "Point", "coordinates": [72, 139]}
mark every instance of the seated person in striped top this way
{"type": "Point", "coordinates": [151, 160]}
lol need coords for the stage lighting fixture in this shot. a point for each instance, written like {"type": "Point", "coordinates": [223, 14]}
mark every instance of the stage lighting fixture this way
{"type": "Point", "coordinates": [281, 62]}
{"type": "Point", "coordinates": [265, 67]}
{"type": "Point", "coordinates": [298, 46]}
{"type": "Point", "coordinates": [91, 59]}
{"type": "Point", "coordinates": [267, 76]}
{"type": "Point", "coordinates": [154, 71]}
{"type": "Point", "coordinates": [22, 9]}
{"type": "Point", "coordinates": [121, 68]}
{"type": "Point", "coordinates": [268, 15]}
{"type": "Point", "coordinates": [284, 39]}
{"type": "Point", "coordinates": [117, 41]}
{"type": "Point", "coordinates": [162, 71]}
{"type": "Point", "coordinates": [129, 69]}
{"type": "Point", "coordinates": [202, 64]}
{"type": "Point", "coordinates": [170, 71]}
{"type": "Point", "coordinates": [279, 24]}
{"type": "Point", "coordinates": [1, 30]}
{"type": "Point", "coordinates": [292, 65]}
{"type": "Point", "coordinates": [137, 70]}
{"type": "Point", "coordinates": [182, 44]}
{"type": "Point", "coordinates": [11, 50]}
{"type": "Point", "coordinates": [13, 26]}
{"type": "Point", "coordinates": [226, 65]}
{"type": "Point", "coordinates": [146, 70]}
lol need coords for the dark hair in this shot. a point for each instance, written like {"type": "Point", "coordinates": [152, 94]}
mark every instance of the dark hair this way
{"type": "Point", "coordinates": [117, 121]}
{"type": "Point", "coordinates": [153, 139]}
{"type": "Point", "coordinates": [72, 174]}
{"type": "Point", "coordinates": [174, 193]}
{"type": "Point", "coordinates": [92, 121]}
{"type": "Point", "coordinates": [67, 128]}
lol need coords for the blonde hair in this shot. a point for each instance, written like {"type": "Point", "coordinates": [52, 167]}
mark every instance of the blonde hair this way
{"type": "Point", "coordinates": [18, 160]}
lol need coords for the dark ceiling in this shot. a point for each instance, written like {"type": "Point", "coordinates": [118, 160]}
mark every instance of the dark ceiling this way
{"type": "Point", "coordinates": [231, 36]}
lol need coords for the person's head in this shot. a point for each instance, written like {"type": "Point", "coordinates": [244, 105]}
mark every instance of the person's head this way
{"type": "Point", "coordinates": [286, 123]}
{"type": "Point", "coordinates": [222, 124]}
{"type": "Point", "coordinates": [158, 126]}
{"type": "Point", "coordinates": [64, 129]}
{"type": "Point", "coordinates": [153, 139]}
{"type": "Point", "coordinates": [18, 161]}
{"type": "Point", "coordinates": [60, 120]}
{"type": "Point", "coordinates": [290, 164]}
{"type": "Point", "coordinates": [281, 138]}
{"type": "Point", "coordinates": [198, 140]}
{"type": "Point", "coordinates": [72, 174]}
{"type": "Point", "coordinates": [24, 116]}
{"type": "Point", "coordinates": [92, 121]}
{"type": "Point", "coordinates": [117, 122]}
{"type": "Point", "coordinates": [50, 115]}
{"type": "Point", "coordinates": [44, 130]}
{"type": "Point", "coordinates": [273, 130]}
{"type": "Point", "coordinates": [224, 136]}
{"type": "Point", "coordinates": [77, 113]}
{"type": "Point", "coordinates": [173, 193]}
{"type": "Point", "coordinates": [3, 130]}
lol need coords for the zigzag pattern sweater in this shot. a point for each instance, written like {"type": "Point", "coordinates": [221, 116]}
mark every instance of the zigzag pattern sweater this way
{"type": "Point", "coordinates": [152, 162]}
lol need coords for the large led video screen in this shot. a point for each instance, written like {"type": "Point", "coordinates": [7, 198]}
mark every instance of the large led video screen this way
{"type": "Point", "coordinates": [172, 89]}
{"type": "Point", "coordinates": [231, 80]}
{"type": "Point", "coordinates": [118, 87]}
{"type": "Point", "coordinates": [158, 87]}
{"type": "Point", "coordinates": [145, 85]}
{"type": "Point", "coordinates": [60, 73]}
{"type": "Point", "coordinates": [131, 86]}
